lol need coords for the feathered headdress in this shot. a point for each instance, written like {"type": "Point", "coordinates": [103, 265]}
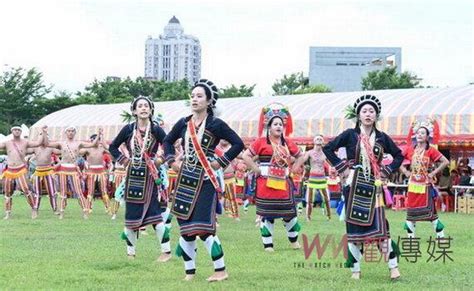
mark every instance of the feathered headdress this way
{"type": "Point", "coordinates": [430, 124]}
{"type": "Point", "coordinates": [272, 110]}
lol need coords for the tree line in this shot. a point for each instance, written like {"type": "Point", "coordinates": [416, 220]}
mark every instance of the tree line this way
{"type": "Point", "coordinates": [25, 98]}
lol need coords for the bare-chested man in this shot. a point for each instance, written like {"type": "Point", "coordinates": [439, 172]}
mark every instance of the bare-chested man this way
{"type": "Point", "coordinates": [17, 171]}
{"type": "Point", "coordinates": [317, 176]}
{"type": "Point", "coordinates": [68, 170]}
{"type": "Point", "coordinates": [44, 175]}
{"type": "Point", "coordinates": [96, 171]}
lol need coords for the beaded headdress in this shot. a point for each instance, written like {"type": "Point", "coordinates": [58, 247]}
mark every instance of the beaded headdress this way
{"type": "Point", "coordinates": [275, 109]}
{"type": "Point", "coordinates": [150, 102]}
{"type": "Point", "coordinates": [430, 124]}
{"type": "Point", "coordinates": [353, 111]}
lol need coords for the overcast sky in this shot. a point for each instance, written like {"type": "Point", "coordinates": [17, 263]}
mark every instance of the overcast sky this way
{"type": "Point", "coordinates": [243, 42]}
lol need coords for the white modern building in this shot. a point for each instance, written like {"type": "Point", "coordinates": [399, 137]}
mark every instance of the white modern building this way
{"type": "Point", "coordinates": [343, 68]}
{"type": "Point", "coordinates": [173, 56]}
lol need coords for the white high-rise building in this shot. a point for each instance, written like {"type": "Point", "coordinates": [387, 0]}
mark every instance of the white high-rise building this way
{"type": "Point", "coordinates": [173, 56]}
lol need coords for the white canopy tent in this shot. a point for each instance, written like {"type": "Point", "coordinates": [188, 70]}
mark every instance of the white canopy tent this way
{"type": "Point", "coordinates": [312, 114]}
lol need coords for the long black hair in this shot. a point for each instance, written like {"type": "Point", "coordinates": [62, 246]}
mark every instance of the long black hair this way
{"type": "Point", "coordinates": [358, 112]}
{"type": "Point", "coordinates": [427, 136]}
{"type": "Point", "coordinates": [133, 106]}
{"type": "Point", "coordinates": [269, 124]}
{"type": "Point", "coordinates": [210, 107]}
{"type": "Point", "coordinates": [211, 91]}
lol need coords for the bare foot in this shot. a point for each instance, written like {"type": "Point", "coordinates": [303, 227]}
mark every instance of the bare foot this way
{"type": "Point", "coordinates": [394, 273]}
{"type": "Point", "coordinates": [34, 213]}
{"type": "Point", "coordinates": [188, 277]}
{"type": "Point", "coordinates": [218, 276]}
{"type": "Point", "coordinates": [164, 257]}
{"type": "Point", "coordinates": [269, 249]}
{"type": "Point", "coordinates": [295, 245]}
{"type": "Point", "coordinates": [355, 275]}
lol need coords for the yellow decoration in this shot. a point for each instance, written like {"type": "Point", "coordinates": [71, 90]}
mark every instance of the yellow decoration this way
{"type": "Point", "coordinates": [417, 188]}
{"type": "Point", "coordinates": [14, 175]}
{"type": "Point", "coordinates": [276, 184]}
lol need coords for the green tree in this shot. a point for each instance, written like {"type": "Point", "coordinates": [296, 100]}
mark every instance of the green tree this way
{"type": "Point", "coordinates": [289, 84]}
{"type": "Point", "coordinates": [44, 106]}
{"type": "Point", "coordinates": [313, 89]}
{"type": "Point", "coordinates": [19, 90]}
{"type": "Point", "coordinates": [115, 90]}
{"type": "Point", "coordinates": [168, 91]}
{"type": "Point", "coordinates": [109, 90]}
{"type": "Point", "coordinates": [234, 91]}
{"type": "Point", "coordinates": [297, 83]}
{"type": "Point", "coordinates": [388, 78]}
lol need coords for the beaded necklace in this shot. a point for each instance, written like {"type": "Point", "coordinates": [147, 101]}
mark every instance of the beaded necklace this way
{"type": "Point", "coordinates": [280, 154]}
{"type": "Point", "coordinates": [190, 156]}
{"type": "Point", "coordinates": [139, 145]}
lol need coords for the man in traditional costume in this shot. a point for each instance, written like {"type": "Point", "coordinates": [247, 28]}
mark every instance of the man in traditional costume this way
{"type": "Point", "coordinates": [97, 172]}
{"type": "Point", "coordinates": [17, 171]}
{"type": "Point", "coordinates": [317, 180]}
{"type": "Point", "coordinates": [68, 170]}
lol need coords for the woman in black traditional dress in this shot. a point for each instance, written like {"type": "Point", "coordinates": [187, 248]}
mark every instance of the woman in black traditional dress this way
{"type": "Point", "coordinates": [194, 200]}
{"type": "Point", "coordinates": [142, 139]}
{"type": "Point", "coordinates": [363, 173]}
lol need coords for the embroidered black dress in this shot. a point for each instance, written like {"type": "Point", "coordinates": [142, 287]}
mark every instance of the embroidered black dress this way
{"type": "Point", "coordinates": [365, 218]}
{"type": "Point", "coordinates": [141, 193]}
{"type": "Point", "coordinates": [194, 200]}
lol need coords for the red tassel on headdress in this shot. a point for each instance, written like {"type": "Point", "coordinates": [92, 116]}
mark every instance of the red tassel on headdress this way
{"type": "Point", "coordinates": [289, 126]}
{"type": "Point", "coordinates": [261, 122]}
{"type": "Point", "coordinates": [436, 133]}
{"type": "Point", "coordinates": [410, 137]}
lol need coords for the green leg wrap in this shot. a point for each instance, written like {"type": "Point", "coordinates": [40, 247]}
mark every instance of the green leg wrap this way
{"type": "Point", "coordinates": [296, 227]}
{"type": "Point", "coordinates": [265, 232]}
{"type": "Point", "coordinates": [439, 226]}
{"type": "Point", "coordinates": [216, 251]}
{"type": "Point", "coordinates": [179, 251]}
{"type": "Point", "coordinates": [350, 260]}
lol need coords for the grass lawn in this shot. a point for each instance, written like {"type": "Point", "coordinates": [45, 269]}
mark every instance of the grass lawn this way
{"type": "Point", "coordinates": [48, 253]}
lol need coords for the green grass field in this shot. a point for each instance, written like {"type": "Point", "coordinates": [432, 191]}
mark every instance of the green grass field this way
{"type": "Point", "coordinates": [73, 253]}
